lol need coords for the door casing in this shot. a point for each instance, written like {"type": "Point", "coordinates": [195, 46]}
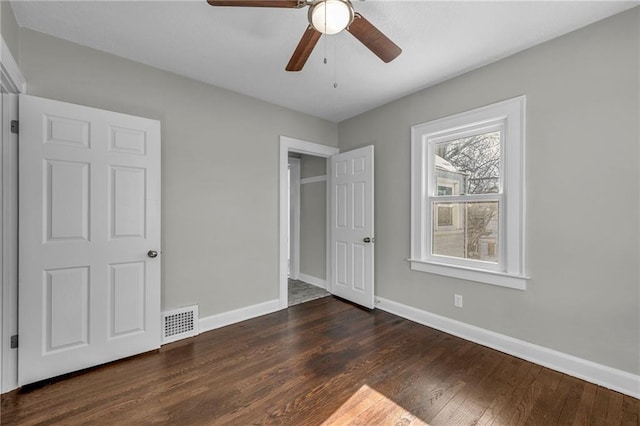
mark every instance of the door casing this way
{"type": "Point", "coordinates": [11, 82]}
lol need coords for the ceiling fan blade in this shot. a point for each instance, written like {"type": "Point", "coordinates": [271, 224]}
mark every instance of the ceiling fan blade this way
{"type": "Point", "coordinates": [373, 38]}
{"type": "Point", "coordinates": [304, 49]}
{"type": "Point", "coordinates": [258, 3]}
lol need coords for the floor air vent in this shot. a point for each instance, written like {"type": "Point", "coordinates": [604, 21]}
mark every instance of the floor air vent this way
{"type": "Point", "coordinates": [179, 324]}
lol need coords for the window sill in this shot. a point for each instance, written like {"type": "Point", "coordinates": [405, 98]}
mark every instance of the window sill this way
{"type": "Point", "coordinates": [487, 277]}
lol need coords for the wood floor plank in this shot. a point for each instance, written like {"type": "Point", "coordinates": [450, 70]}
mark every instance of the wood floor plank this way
{"type": "Point", "coordinates": [571, 397]}
{"type": "Point", "coordinates": [510, 384]}
{"type": "Point", "coordinates": [467, 406]}
{"type": "Point", "coordinates": [614, 408]}
{"type": "Point", "coordinates": [426, 387]}
{"type": "Point", "coordinates": [630, 411]}
{"type": "Point", "coordinates": [533, 408]}
{"type": "Point", "coordinates": [322, 362]}
{"type": "Point", "coordinates": [361, 401]}
{"type": "Point", "coordinates": [600, 406]}
{"type": "Point", "coordinates": [585, 407]}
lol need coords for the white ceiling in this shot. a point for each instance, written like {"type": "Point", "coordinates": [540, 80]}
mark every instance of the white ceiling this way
{"type": "Point", "coordinates": [246, 49]}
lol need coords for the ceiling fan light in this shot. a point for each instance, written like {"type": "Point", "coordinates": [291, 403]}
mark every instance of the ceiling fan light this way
{"type": "Point", "coordinates": [338, 14]}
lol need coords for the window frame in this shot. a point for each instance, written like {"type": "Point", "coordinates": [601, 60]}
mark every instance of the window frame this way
{"type": "Point", "coordinates": [509, 117]}
{"type": "Point", "coordinates": [431, 198]}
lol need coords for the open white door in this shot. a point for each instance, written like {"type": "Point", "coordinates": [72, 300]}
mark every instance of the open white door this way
{"type": "Point", "coordinates": [89, 278]}
{"type": "Point", "coordinates": [351, 233]}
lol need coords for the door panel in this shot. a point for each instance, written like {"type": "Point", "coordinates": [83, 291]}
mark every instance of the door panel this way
{"type": "Point", "coordinates": [127, 202]}
{"type": "Point", "coordinates": [66, 131]}
{"type": "Point", "coordinates": [90, 210]}
{"type": "Point", "coordinates": [126, 298]}
{"type": "Point", "coordinates": [351, 223]}
{"type": "Point", "coordinates": [341, 206]}
{"type": "Point", "coordinates": [359, 206]}
{"type": "Point", "coordinates": [129, 141]}
{"type": "Point", "coordinates": [67, 308]}
{"type": "Point", "coordinates": [67, 193]}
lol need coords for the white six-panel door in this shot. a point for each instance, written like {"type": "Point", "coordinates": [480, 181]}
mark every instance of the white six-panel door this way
{"type": "Point", "coordinates": [89, 292]}
{"type": "Point", "coordinates": [352, 233]}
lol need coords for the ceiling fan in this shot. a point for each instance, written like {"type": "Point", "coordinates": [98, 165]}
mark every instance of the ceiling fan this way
{"type": "Point", "coordinates": [326, 17]}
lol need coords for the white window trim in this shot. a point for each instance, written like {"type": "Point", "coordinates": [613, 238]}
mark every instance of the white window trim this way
{"type": "Point", "coordinates": [511, 272]}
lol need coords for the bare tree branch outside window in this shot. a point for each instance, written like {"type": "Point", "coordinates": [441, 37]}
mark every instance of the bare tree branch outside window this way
{"type": "Point", "coordinates": [478, 157]}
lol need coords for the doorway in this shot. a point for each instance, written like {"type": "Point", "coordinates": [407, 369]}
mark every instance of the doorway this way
{"type": "Point", "coordinates": [298, 147]}
{"type": "Point", "coordinates": [307, 228]}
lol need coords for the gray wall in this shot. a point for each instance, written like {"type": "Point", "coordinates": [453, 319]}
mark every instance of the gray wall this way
{"type": "Point", "coordinates": [582, 214]}
{"type": "Point", "coordinates": [9, 28]}
{"type": "Point", "coordinates": [313, 218]}
{"type": "Point", "coordinates": [219, 166]}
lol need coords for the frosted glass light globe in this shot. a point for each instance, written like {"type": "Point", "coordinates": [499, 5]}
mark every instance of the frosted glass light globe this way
{"type": "Point", "coordinates": [338, 14]}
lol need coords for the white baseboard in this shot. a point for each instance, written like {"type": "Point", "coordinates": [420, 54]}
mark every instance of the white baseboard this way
{"type": "Point", "coordinates": [618, 380]}
{"type": "Point", "coordinates": [318, 282]}
{"type": "Point", "coordinates": [237, 315]}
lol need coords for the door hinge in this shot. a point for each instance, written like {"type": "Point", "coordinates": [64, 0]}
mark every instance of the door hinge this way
{"type": "Point", "coordinates": [14, 126]}
{"type": "Point", "coordinates": [14, 341]}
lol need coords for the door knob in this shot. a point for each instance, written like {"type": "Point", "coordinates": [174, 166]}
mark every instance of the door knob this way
{"type": "Point", "coordinates": [152, 253]}
{"type": "Point", "coordinates": [368, 240]}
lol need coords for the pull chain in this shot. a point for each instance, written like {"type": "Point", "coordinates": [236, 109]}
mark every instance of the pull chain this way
{"type": "Point", "coordinates": [335, 64]}
{"type": "Point", "coordinates": [325, 49]}
{"type": "Point", "coordinates": [325, 34]}
{"type": "Point", "coordinates": [335, 68]}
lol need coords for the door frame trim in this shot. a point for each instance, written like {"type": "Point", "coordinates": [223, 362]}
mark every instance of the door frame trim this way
{"type": "Point", "coordinates": [288, 144]}
{"type": "Point", "coordinates": [11, 77]}
{"type": "Point", "coordinates": [11, 82]}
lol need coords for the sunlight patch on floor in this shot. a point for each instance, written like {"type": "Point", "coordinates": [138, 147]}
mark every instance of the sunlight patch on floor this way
{"type": "Point", "coordinates": [368, 406]}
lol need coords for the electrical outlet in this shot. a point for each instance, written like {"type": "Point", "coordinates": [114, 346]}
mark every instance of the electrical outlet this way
{"type": "Point", "coordinates": [457, 300]}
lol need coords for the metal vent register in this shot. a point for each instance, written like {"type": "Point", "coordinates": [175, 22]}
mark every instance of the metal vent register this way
{"type": "Point", "coordinates": [179, 324]}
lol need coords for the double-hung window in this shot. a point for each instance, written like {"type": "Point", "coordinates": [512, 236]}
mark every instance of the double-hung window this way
{"type": "Point", "coordinates": [467, 212]}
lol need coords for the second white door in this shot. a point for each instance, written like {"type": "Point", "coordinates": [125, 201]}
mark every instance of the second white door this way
{"type": "Point", "coordinates": [351, 226]}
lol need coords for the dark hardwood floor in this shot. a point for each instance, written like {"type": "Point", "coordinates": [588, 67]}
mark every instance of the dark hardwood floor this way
{"type": "Point", "coordinates": [322, 362]}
